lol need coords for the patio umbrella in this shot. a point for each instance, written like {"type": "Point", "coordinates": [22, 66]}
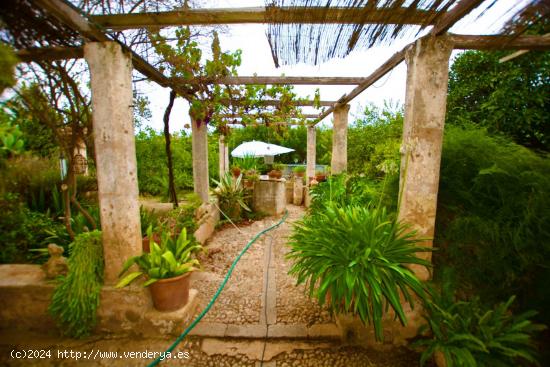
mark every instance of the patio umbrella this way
{"type": "Point", "coordinates": [258, 149]}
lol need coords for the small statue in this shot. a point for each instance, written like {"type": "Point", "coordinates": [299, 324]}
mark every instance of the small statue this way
{"type": "Point", "coordinates": [57, 263]}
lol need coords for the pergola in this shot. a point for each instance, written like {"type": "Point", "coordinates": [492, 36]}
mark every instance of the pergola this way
{"type": "Point", "coordinates": [110, 64]}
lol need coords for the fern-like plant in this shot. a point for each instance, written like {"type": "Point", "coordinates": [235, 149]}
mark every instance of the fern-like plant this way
{"type": "Point", "coordinates": [466, 334]}
{"type": "Point", "coordinates": [76, 298]}
{"type": "Point", "coordinates": [357, 257]}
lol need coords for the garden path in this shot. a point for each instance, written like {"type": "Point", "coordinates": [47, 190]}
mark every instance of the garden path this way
{"type": "Point", "coordinates": [260, 319]}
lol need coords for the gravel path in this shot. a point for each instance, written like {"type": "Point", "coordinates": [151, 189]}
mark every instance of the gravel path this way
{"type": "Point", "coordinates": [293, 304]}
{"type": "Point", "coordinates": [240, 307]}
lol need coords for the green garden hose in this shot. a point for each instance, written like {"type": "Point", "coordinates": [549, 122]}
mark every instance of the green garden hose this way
{"type": "Point", "coordinates": [216, 295]}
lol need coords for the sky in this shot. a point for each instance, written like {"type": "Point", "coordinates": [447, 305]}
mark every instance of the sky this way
{"type": "Point", "coordinates": [256, 58]}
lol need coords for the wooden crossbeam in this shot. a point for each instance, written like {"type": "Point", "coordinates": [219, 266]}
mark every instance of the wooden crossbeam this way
{"type": "Point", "coordinates": [465, 42]}
{"type": "Point", "coordinates": [118, 22]}
{"type": "Point", "coordinates": [49, 53]}
{"type": "Point", "coordinates": [540, 43]}
{"type": "Point", "coordinates": [273, 102]}
{"type": "Point", "coordinates": [265, 80]}
{"type": "Point", "coordinates": [370, 80]}
{"type": "Point", "coordinates": [69, 15]}
{"type": "Point", "coordinates": [444, 23]}
{"type": "Point", "coordinates": [447, 20]}
{"type": "Point", "coordinates": [304, 115]}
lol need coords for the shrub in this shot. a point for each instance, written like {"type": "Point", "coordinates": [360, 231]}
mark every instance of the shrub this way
{"type": "Point", "coordinates": [36, 180]}
{"type": "Point", "coordinates": [76, 297]}
{"type": "Point", "coordinates": [467, 334]}
{"type": "Point", "coordinates": [357, 190]}
{"type": "Point", "coordinates": [24, 231]}
{"type": "Point", "coordinates": [358, 258]}
{"type": "Point", "coordinates": [493, 217]}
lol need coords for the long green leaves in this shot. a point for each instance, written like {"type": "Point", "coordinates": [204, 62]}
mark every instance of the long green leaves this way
{"type": "Point", "coordinates": [76, 298]}
{"type": "Point", "coordinates": [171, 258]}
{"type": "Point", "coordinates": [357, 258]}
{"type": "Point", "coordinates": [466, 334]}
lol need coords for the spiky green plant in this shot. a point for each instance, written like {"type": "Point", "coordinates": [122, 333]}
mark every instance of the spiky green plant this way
{"type": "Point", "coordinates": [231, 196]}
{"type": "Point", "coordinates": [358, 258]}
{"type": "Point", "coordinates": [76, 298]}
{"type": "Point", "coordinates": [467, 334]}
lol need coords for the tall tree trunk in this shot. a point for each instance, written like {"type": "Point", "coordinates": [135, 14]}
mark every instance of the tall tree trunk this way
{"type": "Point", "coordinates": [171, 186]}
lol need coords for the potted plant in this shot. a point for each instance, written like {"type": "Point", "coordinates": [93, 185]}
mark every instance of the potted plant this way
{"type": "Point", "coordinates": [299, 171]}
{"type": "Point", "coordinates": [236, 170]}
{"type": "Point", "coordinates": [320, 176]}
{"type": "Point", "coordinates": [250, 177]}
{"type": "Point", "coordinates": [166, 267]}
{"type": "Point", "coordinates": [277, 171]}
{"type": "Point", "coordinates": [231, 196]}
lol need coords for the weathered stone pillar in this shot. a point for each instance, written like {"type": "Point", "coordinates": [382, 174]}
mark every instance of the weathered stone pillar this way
{"type": "Point", "coordinates": [339, 162]}
{"type": "Point", "coordinates": [425, 103]}
{"type": "Point", "coordinates": [224, 156]}
{"type": "Point", "coordinates": [111, 83]}
{"type": "Point", "coordinates": [199, 138]}
{"type": "Point", "coordinates": [311, 152]}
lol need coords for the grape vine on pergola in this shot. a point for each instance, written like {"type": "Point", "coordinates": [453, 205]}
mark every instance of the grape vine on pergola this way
{"type": "Point", "coordinates": [308, 30]}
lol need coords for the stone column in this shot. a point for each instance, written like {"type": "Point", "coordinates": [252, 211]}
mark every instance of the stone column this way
{"type": "Point", "coordinates": [199, 138]}
{"type": "Point", "coordinates": [311, 152]}
{"type": "Point", "coordinates": [339, 162]}
{"type": "Point", "coordinates": [425, 104]}
{"type": "Point", "coordinates": [224, 156]}
{"type": "Point", "coordinates": [111, 84]}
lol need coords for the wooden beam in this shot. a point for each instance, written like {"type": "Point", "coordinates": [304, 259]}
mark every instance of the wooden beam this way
{"type": "Point", "coordinates": [370, 80]}
{"type": "Point", "coordinates": [275, 80]}
{"type": "Point", "coordinates": [70, 15]}
{"type": "Point", "coordinates": [49, 53]}
{"type": "Point", "coordinates": [444, 22]}
{"type": "Point", "coordinates": [273, 102]}
{"type": "Point", "coordinates": [447, 20]}
{"type": "Point", "coordinates": [255, 15]}
{"type": "Point", "coordinates": [501, 42]}
{"type": "Point", "coordinates": [304, 115]}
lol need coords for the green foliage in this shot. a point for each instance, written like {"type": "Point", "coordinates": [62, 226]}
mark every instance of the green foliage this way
{"type": "Point", "coordinates": [247, 163]}
{"type": "Point", "coordinates": [357, 257]}
{"type": "Point", "coordinates": [278, 167]}
{"type": "Point", "coordinates": [169, 259]}
{"type": "Point", "coordinates": [8, 61]}
{"type": "Point", "coordinates": [299, 169]}
{"type": "Point", "coordinates": [183, 217]}
{"type": "Point", "coordinates": [35, 180]}
{"type": "Point", "coordinates": [152, 162]}
{"type": "Point", "coordinates": [355, 190]}
{"type": "Point", "coordinates": [11, 142]}
{"type": "Point", "coordinates": [374, 141]}
{"type": "Point", "coordinates": [493, 215]}
{"type": "Point", "coordinates": [467, 334]}
{"type": "Point", "coordinates": [39, 138]}
{"type": "Point", "coordinates": [76, 298]}
{"type": "Point", "coordinates": [509, 97]}
{"type": "Point", "coordinates": [24, 231]}
{"type": "Point", "coordinates": [231, 196]}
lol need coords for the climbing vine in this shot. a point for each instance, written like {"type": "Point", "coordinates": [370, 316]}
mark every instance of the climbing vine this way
{"type": "Point", "coordinates": [218, 104]}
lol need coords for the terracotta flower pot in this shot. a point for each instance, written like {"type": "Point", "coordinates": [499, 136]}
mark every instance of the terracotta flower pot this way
{"type": "Point", "coordinates": [145, 242]}
{"type": "Point", "coordinates": [275, 174]}
{"type": "Point", "coordinates": [320, 178]}
{"type": "Point", "coordinates": [170, 294]}
{"type": "Point", "coordinates": [236, 172]}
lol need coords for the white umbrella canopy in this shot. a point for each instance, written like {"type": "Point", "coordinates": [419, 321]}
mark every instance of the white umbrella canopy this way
{"type": "Point", "coordinates": [258, 149]}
